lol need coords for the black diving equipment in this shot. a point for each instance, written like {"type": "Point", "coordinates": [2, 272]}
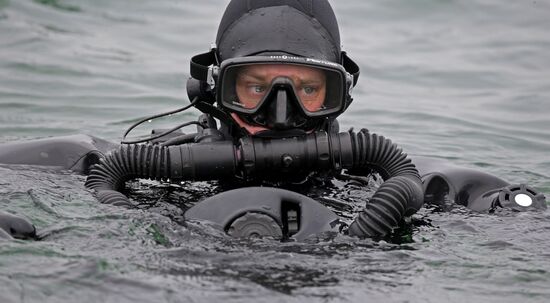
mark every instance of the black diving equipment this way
{"type": "Point", "coordinates": [217, 79]}
{"type": "Point", "coordinates": [12, 226]}
{"type": "Point", "coordinates": [282, 92]}
{"type": "Point", "coordinates": [444, 184]}
{"type": "Point", "coordinates": [319, 88]}
{"type": "Point", "coordinates": [214, 81]}
{"type": "Point", "coordinates": [266, 212]}
{"type": "Point", "coordinates": [400, 195]}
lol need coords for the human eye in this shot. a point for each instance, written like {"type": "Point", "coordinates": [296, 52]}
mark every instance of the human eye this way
{"type": "Point", "coordinates": [310, 90]}
{"type": "Point", "coordinates": [258, 88]}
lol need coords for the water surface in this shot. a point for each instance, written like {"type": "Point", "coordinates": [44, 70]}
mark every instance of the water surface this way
{"type": "Point", "coordinates": [463, 81]}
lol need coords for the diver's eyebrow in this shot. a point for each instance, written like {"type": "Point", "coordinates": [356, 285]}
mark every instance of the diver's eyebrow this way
{"type": "Point", "coordinates": [312, 81]}
{"type": "Point", "coordinates": [252, 75]}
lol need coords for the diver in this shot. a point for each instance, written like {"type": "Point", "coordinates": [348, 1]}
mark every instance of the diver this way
{"type": "Point", "coordinates": [275, 80]}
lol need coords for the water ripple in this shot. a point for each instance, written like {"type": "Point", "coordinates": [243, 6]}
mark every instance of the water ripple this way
{"type": "Point", "coordinates": [448, 79]}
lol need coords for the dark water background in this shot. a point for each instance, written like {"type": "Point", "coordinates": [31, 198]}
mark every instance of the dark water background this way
{"type": "Point", "coordinates": [467, 81]}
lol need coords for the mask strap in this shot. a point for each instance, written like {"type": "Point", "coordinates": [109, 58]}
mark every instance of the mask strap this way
{"type": "Point", "coordinates": [200, 70]}
{"type": "Point", "coordinates": [201, 63]}
{"type": "Point", "coordinates": [351, 67]}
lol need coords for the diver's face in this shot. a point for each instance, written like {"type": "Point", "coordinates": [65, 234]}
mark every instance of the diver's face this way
{"type": "Point", "coordinates": [253, 82]}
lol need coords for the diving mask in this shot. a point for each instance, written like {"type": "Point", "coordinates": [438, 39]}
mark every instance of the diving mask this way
{"type": "Point", "coordinates": [277, 91]}
{"type": "Point", "coordinates": [316, 88]}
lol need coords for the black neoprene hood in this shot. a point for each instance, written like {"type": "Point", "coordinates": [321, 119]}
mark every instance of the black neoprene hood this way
{"type": "Point", "coordinates": [306, 28]}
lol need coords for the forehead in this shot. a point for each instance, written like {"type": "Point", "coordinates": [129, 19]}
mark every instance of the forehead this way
{"type": "Point", "coordinates": [281, 70]}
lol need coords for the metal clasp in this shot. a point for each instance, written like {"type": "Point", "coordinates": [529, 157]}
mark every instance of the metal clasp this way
{"type": "Point", "coordinates": [211, 75]}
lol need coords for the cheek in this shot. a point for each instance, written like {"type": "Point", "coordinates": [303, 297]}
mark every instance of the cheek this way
{"type": "Point", "coordinates": [241, 92]}
{"type": "Point", "coordinates": [244, 97]}
{"type": "Point", "coordinates": [316, 103]}
{"type": "Point", "coordinates": [313, 106]}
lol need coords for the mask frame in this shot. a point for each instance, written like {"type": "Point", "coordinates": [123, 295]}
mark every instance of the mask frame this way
{"type": "Point", "coordinates": [337, 86]}
{"type": "Point", "coordinates": [205, 68]}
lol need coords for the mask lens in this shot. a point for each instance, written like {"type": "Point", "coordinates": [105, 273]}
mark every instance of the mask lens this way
{"type": "Point", "coordinates": [319, 91]}
{"type": "Point", "coordinates": [250, 87]}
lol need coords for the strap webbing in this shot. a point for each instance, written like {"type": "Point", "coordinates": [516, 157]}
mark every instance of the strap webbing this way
{"type": "Point", "coordinates": [351, 67]}
{"type": "Point", "coordinates": [200, 64]}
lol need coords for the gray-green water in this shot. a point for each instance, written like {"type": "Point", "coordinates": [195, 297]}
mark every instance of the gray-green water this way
{"type": "Point", "coordinates": [467, 81]}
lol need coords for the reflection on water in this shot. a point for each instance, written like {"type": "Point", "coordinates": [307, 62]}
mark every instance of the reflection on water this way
{"type": "Point", "coordinates": [446, 79]}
